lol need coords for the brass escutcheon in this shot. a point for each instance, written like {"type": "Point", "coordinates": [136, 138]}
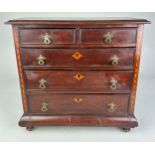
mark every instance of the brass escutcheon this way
{"type": "Point", "coordinates": [78, 99]}
{"type": "Point", "coordinates": [79, 76]}
{"type": "Point", "coordinates": [77, 55]}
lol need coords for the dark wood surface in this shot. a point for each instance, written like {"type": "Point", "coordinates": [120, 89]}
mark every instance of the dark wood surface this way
{"type": "Point", "coordinates": [136, 68]}
{"type": "Point", "coordinates": [66, 100]}
{"type": "Point", "coordinates": [58, 36]}
{"type": "Point", "coordinates": [78, 120]}
{"type": "Point", "coordinates": [91, 81]}
{"type": "Point", "coordinates": [86, 36]}
{"type": "Point", "coordinates": [77, 20]}
{"type": "Point", "coordinates": [87, 104]}
{"type": "Point", "coordinates": [119, 36]}
{"type": "Point", "coordinates": [64, 58]}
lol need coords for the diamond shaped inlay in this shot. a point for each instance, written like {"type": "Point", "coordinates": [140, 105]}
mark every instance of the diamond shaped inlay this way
{"type": "Point", "coordinates": [79, 76]}
{"type": "Point", "coordinates": [77, 55]}
{"type": "Point", "coordinates": [78, 99]}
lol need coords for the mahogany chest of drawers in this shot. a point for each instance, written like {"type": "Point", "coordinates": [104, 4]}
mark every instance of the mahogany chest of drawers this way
{"type": "Point", "coordinates": [78, 72]}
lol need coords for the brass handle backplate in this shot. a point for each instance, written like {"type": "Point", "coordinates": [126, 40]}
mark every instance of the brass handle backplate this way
{"type": "Point", "coordinates": [108, 37]}
{"type": "Point", "coordinates": [113, 83]}
{"type": "Point", "coordinates": [111, 107]}
{"type": "Point", "coordinates": [41, 60]}
{"type": "Point", "coordinates": [47, 38]}
{"type": "Point", "coordinates": [42, 83]}
{"type": "Point", "coordinates": [44, 106]}
{"type": "Point", "coordinates": [114, 60]}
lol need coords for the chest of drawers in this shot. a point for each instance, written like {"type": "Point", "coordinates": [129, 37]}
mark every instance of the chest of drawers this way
{"type": "Point", "coordinates": [78, 72]}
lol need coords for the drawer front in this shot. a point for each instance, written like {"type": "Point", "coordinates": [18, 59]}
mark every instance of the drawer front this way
{"type": "Point", "coordinates": [111, 105]}
{"type": "Point", "coordinates": [79, 81]}
{"type": "Point", "coordinates": [108, 36]}
{"type": "Point", "coordinates": [113, 57]}
{"type": "Point", "coordinates": [47, 36]}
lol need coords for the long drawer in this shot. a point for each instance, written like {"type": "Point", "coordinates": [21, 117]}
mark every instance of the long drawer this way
{"type": "Point", "coordinates": [103, 81]}
{"type": "Point", "coordinates": [110, 105]}
{"type": "Point", "coordinates": [114, 58]}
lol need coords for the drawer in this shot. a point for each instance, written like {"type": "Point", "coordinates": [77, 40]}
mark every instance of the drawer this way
{"type": "Point", "coordinates": [109, 36]}
{"type": "Point", "coordinates": [79, 81]}
{"type": "Point", "coordinates": [109, 57]}
{"type": "Point", "coordinates": [47, 36]}
{"type": "Point", "coordinates": [111, 105]}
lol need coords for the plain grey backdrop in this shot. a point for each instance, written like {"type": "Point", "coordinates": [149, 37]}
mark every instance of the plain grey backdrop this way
{"type": "Point", "coordinates": [10, 97]}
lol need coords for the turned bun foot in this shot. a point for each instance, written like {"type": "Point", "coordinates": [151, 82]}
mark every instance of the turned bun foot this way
{"type": "Point", "coordinates": [30, 128]}
{"type": "Point", "coordinates": [126, 129]}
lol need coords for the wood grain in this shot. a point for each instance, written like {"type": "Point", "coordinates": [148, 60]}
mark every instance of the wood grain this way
{"type": "Point", "coordinates": [62, 104]}
{"type": "Point", "coordinates": [78, 120]}
{"type": "Point", "coordinates": [20, 68]}
{"type": "Point", "coordinates": [58, 36]}
{"type": "Point", "coordinates": [78, 90]}
{"type": "Point", "coordinates": [91, 80]}
{"type": "Point", "coordinates": [136, 68]}
{"type": "Point", "coordinates": [63, 58]}
{"type": "Point", "coordinates": [119, 36]}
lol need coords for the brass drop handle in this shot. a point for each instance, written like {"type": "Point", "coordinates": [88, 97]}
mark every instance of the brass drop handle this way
{"type": "Point", "coordinates": [44, 106]}
{"type": "Point", "coordinates": [113, 83]}
{"type": "Point", "coordinates": [47, 38]}
{"type": "Point", "coordinates": [108, 37]}
{"type": "Point", "coordinates": [114, 60]}
{"type": "Point", "coordinates": [42, 83]}
{"type": "Point", "coordinates": [111, 107]}
{"type": "Point", "coordinates": [41, 60]}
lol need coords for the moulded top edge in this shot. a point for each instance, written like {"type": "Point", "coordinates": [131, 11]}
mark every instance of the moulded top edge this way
{"type": "Point", "coordinates": [71, 20]}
